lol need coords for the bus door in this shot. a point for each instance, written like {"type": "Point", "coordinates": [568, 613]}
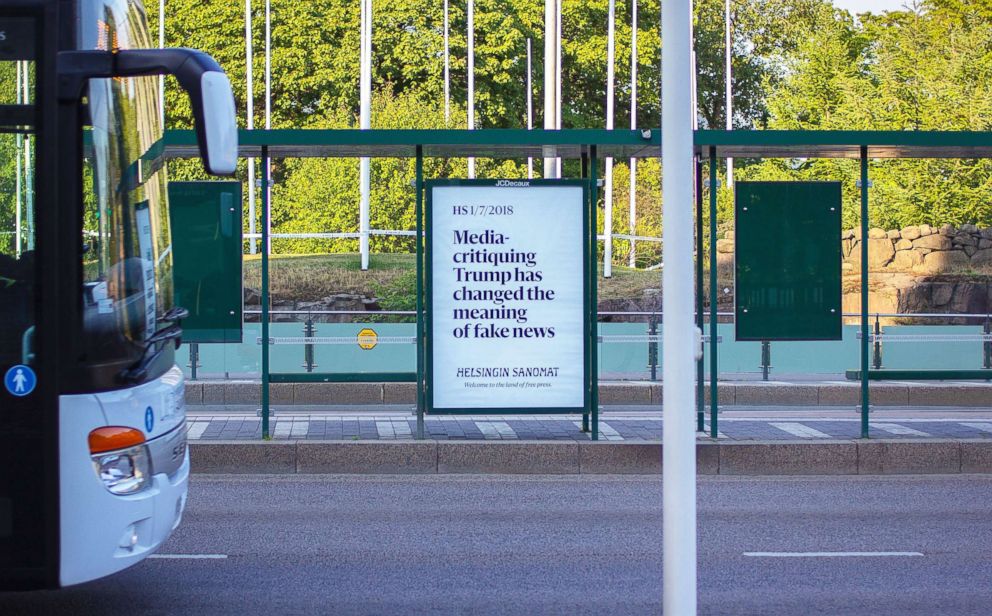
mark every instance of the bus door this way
{"type": "Point", "coordinates": [28, 392]}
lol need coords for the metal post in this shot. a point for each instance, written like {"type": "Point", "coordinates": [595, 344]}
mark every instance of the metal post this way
{"type": "Point", "coordinates": [679, 447]}
{"type": "Point", "coordinates": [265, 292]}
{"type": "Point", "coordinates": [194, 359]}
{"type": "Point", "coordinates": [632, 261]}
{"type": "Point", "coordinates": [714, 320]}
{"type": "Point", "coordinates": [877, 354]}
{"type": "Point", "coordinates": [309, 331]}
{"type": "Point", "coordinates": [865, 399]}
{"type": "Point", "coordinates": [421, 346]}
{"type": "Point", "coordinates": [471, 79]}
{"type": "Point", "coordinates": [584, 174]}
{"type": "Point", "coordinates": [987, 362]}
{"type": "Point", "coordinates": [653, 347]}
{"type": "Point", "coordinates": [608, 197]}
{"type": "Point", "coordinates": [365, 112]}
{"type": "Point", "coordinates": [700, 315]}
{"type": "Point", "coordinates": [766, 359]}
{"type": "Point", "coordinates": [250, 124]}
{"type": "Point", "coordinates": [593, 283]}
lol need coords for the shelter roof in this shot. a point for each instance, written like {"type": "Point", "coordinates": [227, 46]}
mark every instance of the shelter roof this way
{"type": "Point", "coordinates": [572, 143]}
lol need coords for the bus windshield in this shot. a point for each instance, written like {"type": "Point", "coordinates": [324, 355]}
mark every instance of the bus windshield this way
{"type": "Point", "coordinates": [127, 280]}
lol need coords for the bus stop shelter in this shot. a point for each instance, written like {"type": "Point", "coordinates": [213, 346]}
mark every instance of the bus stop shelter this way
{"type": "Point", "coordinates": [588, 146]}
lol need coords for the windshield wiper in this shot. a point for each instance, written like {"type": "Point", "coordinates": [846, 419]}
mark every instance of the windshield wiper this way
{"type": "Point", "coordinates": [139, 372]}
{"type": "Point", "coordinates": [176, 313]}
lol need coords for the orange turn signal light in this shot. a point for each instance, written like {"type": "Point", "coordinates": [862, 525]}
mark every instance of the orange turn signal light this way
{"type": "Point", "coordinates": [111, 438]}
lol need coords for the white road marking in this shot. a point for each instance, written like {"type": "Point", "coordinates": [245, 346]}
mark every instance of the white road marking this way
{"type": "Point", "coordinates": [488, 429]}
{"type": "Point", "coordinates": [798, 429]}
{"type": "Point", "coordinates": [402, 428]}
{"type": "Point", "coordinates": [605, 430]}
{"type": "Point", "coordinates": [385, 429]}
{"type": "Point", "coordinates": [504, 430]}
{"type": "Point", "coordinates": [709, 430]}
{"type": "Point", "coordinates": [196, 429]}
{"type": "Point", "coordinates": [609, 432]}
{"type": "Point", "coordinates": [892, 428]}
{"type": "Point", "coordinates": [283, 428]}
{"type": "Point", "coordinates": [984, 427]}
{"type": "Point", "coordinates": [827, 554]}
{"type": "Point", "coordinates": [190, 556]}
{"type": "Point", "coordinates": [299, 429]}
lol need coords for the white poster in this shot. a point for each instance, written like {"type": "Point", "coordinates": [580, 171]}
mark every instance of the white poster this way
{"type": "Point", "coordinates": [507, 295]}
{"type": "Point", "coordinates": [143, 221]}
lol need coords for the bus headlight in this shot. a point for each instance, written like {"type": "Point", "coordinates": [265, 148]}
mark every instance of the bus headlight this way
{"type": "Point", "coordinates": [120, 458]}
{"type": "Point", "coordinates": [123, 472]}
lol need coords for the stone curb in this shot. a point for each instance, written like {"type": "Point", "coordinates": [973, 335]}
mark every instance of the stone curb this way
{"type": "Point", "coordinates": [874, 457]}
{"type": "Point", "coordinates": [970, 395]}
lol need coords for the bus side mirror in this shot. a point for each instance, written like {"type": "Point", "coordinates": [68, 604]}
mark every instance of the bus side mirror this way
{"type": "Point", "coordinates": [210, 97]}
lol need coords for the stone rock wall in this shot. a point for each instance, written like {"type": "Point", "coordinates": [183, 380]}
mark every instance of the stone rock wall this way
{"type": "Point", "coordinates": [914, 270]}
{"type": "Point", "coordinates": [921, 249]}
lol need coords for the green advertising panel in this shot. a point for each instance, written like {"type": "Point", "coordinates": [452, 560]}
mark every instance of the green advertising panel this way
{"type": "Point", "coordinates": [206, 242]}
{"type": "Point", "coordinates": [788, 267]}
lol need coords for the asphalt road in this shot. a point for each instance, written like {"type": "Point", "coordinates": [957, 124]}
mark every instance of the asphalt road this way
{"type": "Point", "coordinates": [548, 545]}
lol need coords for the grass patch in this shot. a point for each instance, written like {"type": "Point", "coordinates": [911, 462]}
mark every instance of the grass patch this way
{"type": "Point", "coordinates": [313, 277]}
{"type": "Point", "coordinates": [391, 278]}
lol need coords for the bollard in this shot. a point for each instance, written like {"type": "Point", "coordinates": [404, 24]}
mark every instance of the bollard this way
{"type": "Point", "coordinates": [194, 359]}
{"type": "Point", "coordinates": [876, 359]}
{"type": "Point", "coordinates": [309, 330]}
{"type": "Point", "coordinates": [766, 359]}
{"type": "Point", "coordinates": [653, 347]}
{"type": "Point", "coordinates": [987, 364]}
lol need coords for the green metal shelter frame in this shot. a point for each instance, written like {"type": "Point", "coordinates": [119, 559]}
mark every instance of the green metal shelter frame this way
{"type": "Point", "coordinates": [589, 145]}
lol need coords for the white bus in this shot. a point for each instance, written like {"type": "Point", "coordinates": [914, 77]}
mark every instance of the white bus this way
{"type": "Point", "coordinates": [93, 460]}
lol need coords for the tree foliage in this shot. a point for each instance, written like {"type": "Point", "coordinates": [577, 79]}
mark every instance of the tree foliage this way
{"type": "Point", "coordinates": [925, 70]}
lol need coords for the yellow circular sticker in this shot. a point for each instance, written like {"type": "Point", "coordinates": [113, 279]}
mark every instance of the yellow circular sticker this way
{"type": "Point", "coordinates": [367, 339]}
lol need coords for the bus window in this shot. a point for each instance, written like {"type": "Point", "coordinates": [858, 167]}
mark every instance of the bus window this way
{"type": "Point", "coordinates": [16, 213]}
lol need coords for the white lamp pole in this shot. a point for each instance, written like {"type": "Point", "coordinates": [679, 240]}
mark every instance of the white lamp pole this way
{"type": "Point", "coordinates": [550, 81]}
{"type": "Point", "coordinates": [365, 170]}
{"type": "Point", "coordinates": [17, 162]}
{"type": "Point", "coordinates": [161, 45]}
{"type": "Point", "coordinates": [679, 332]}
{"type": "Point", "coordinates": [633, 126]}
{"type": "Point", "coordinates": [268, 122]}
{"type": "Point", "coordinates": [729, 94]}
{"type": "Point", "coordinates": [447, 70]}
{"type": "Point", "coordinates": [558, 79]}
{"type": "Point", "coordinates": [530, 111]}
{"type": "Point", "coordinates": [610, 73]}
{"type": "Point", "coordinates": [471, 79]}
{"type": "Point", "coordinates": [28, 220]}
{"type": "Point", "coordinates": [250, 124]}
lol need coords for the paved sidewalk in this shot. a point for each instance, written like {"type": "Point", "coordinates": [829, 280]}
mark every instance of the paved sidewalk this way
{"type": "Point", "coordinates": [621, 424]}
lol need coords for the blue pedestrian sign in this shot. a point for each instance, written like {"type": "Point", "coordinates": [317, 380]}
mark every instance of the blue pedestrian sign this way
{"type": "Point", "coordinates": [20, 380]}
